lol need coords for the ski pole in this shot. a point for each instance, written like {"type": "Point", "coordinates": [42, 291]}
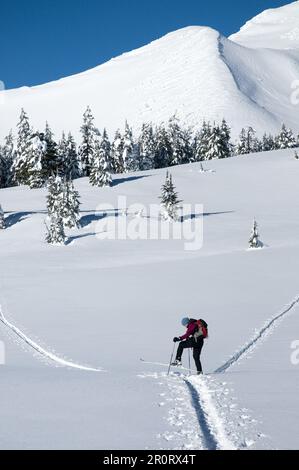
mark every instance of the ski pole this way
{"type": "Point", "coordinates": [171, 360]}
{"type": "Point", "coordinates": [189, 361]}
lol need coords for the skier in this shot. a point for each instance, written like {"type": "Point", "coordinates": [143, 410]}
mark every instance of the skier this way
{"type": "Point", "coordinates": [197, 331]}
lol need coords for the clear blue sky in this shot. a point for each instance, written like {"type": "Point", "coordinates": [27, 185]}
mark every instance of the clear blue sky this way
{"type": "Point", "coordinates": [42, 40]}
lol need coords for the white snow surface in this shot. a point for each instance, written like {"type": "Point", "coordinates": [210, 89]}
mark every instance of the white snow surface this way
{"type": "Point", "coordinates": [108, 303]}
{"type": "Point", "coordinates": [194, 72]}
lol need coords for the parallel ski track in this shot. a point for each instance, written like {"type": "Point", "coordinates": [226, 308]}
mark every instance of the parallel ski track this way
{"type": "Point", "coordinates": [42, 351]}
{"type": "Point", "coordinates": [259, 336]}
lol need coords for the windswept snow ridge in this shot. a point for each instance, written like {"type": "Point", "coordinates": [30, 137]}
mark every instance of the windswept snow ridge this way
{"type": "Point", "coordinates": [259, 336]}
{"type": "Point", "coordinates": [42, 351]}
{"type": "Point", "coordinates": [210, 422]}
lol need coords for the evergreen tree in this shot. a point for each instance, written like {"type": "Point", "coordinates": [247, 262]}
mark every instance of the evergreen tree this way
{"type": "Point", "coordinates": [71, 163]}
{"type": "Point", "coordinates": [129, 159]}
{"type": "Point", "coordinates": [100, 174]}
{"type": "Point", "coordinates": [163, 149]}
{"type": "Point", "coordinates": [117, 153]}
{"type": "Point", "coordinates": [2, 220]}
{"type": "Point", "coordinates": [55, 232]}
{"type": "Point", "coordinates": [23, 151]}
{"type": "Point", "coordinates": [7, 155]}
{"type": "Point", "coordinates": [246, 142]}
{"type": "Point", "coordinates": [146, 148]}
{"type": "Point", "coordinates": [170, 201]}
{"type": "Point", "coordinates": [285, 139]}
{"type": "Point", "coordinates": [227, 146]}
{"type": "Point", "coordinates": [70, 210]}
{"type": "Point", "coordinates": [89, 135]}
{"type": "Point", "coordinates": [35, 159]}
{"type": "Point", "coordinates": [218, 144]}
{"type": "Point", "coordinates": [177, 142]}
{"type": "Point", "coordinates": [268, 143]}
{"type": "Point", "coordinates": [201, 143]}
{"type": "Point", "coordinates": [52, 160]}
{"type": "Point", "coordinates": [254, 241]}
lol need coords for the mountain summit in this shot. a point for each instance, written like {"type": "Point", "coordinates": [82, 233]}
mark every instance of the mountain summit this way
{"type": "Point", "coordinates": [195, 73]}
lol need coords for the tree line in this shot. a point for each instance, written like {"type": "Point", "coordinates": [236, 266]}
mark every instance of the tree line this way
{"type": "Point", "coordinates": [32, 157]}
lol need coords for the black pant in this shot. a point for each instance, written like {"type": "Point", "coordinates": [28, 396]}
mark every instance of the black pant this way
{"type": "Point", "coordinates": [197, 347]}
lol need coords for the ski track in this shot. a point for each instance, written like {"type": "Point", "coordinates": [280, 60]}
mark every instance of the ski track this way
{"type": "Point", "coordinates": [213, 428]}
{"type": "Point", "coordinates": [43, 352]}
{"type": "Point", "coordinates": [211, 425]}
{"type": "Point", "coordinates": [258, 337]}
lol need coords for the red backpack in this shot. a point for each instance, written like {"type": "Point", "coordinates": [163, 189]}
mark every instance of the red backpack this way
{"type": "Point", "coordinates": [202, 329]}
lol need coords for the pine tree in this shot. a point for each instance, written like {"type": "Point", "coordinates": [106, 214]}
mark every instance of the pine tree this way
{"type": "Point", "coordinates": [55, 232]}
{"type": "Point", "coordinates": [163, 149]}
{"type": "Point", "coordinates": [268, 143]}
{"type": "Point", "coordinates": [70, 210]}
{"type": "Point", "coordinates": [146, 148]}
{"type": "Point", "coordinates": [170, 201]}
{"type": "Point", "coordinates": [285, 139]}
{"type": "Point", "coordinates": [23, 151]}
{"type": "Point", "coordinates": [52, 160]}
{"type": "Point", "coordinates": [246, 142]}
{"type": "Point", "coordinates": [254, 241]}
{"type": "Point", "coordinates": [201, 144]}
{"type": "Point", "coordinates": [100, 174]}
{"type": "Point", "coordinates": [7, 155]}
{"type": "Point", "coordinates": [36, 177]}
{"type": "Point", "coordinates": [117, 151]}
{"type": "Point", "coordinates": [89, 135]}
{"type": "Point", "coordinates": [218, 144]}
{"type": "Point", "coordinates": [2, 220]}
{"type": "Point", "coordinates": [177, 142]}
{"type": "Point", "coordinates": [129, 159]}
{"type": "Point", "coordinates": [71, 163]}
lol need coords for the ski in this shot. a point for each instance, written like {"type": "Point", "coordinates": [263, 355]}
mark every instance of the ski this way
{"type": "Point", "coordinates": [161, 364]}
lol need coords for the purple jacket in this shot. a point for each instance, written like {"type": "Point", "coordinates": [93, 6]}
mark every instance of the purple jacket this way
{"type": "Point", "coordinates": [190, 331]}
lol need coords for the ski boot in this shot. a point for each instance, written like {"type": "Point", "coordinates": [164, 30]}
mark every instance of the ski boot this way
{"type": "Point", "coordinates": [177, 363]}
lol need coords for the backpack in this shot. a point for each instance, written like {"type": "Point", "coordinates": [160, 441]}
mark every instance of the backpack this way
{"type": "Point", "coordinates": [202, 330]}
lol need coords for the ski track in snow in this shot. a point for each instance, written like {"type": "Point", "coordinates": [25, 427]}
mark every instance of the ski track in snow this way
{"type": "Point", "coordinates": [219, 420]}
{"type": "Point", "coordinates": [259, 336]}
{"type": "Point", "coordinates": [43, 352]}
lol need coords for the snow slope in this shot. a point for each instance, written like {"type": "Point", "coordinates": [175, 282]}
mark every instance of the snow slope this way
{"type": "Point", "coordinates": [194, 72]}
{"type": "Point", "coordinates": [108, 303]}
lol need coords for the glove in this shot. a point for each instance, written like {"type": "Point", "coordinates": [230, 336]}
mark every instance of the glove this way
{"type": "Point", "coordinates": [176, 340]}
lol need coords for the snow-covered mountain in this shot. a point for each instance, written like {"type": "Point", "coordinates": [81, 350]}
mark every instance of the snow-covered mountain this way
{"type": "Point", "coordinates": [194, 72]}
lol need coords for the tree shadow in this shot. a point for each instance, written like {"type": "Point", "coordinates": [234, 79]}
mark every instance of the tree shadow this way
{"type": "Point", "coordinates": [16, 218]}
{"type": "Point", "coordinates": [86, 220]}
{"type": "Point", "coordinates": [119, 181]}
{"type": "Point", "coordinates": [83, 235]}
{"type": "Point", "coordinates": [184, 218]}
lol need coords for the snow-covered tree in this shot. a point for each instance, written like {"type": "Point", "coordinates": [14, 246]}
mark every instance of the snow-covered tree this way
{"type": "Point", "coordinates": [100, 173]}
{"type": "Point", "coordinates": [117, 151]}
{"type": "Point", "coordinates": [52, 160]}
{"type": "Point", "coordinates": [169, 200]}
{"type": "Point", "coordinates": [2, 220]}
{"type": "Point", "coordinates": [201, 142]}
{"type": "Point", "coordinates": [177, 142]}
{"type": "Point", "coordinates": [254, 241]}
{"type": "Point", "coordinates": [36, 176]}
{"type": "Point", "coordinates": [68, 157]}
{"type": "Point", "coordinates": [55, 231]}
{"type": "Point", "coordinates": [268, 143]}
{"type": "Point", "coordinates": [7, 154]}
{"type": "Point", "coordinates": [129, 156]}
{"type": "Point", "coordinates": [163, 149]}
{"type": "Point", "coordinates": [146, 147]}
{"type": "Point", "coordinates": [70, 206]}
{"type": "Point", "coordinates": [285, 138]}
{"type": "Point", "coordinates": [23, 151]}
{"type": "Point", "coordinates": [89, 135]}
{"type": "Point", "coordinates": [246, 142]}
{"type": "Point", "coordinates": [218, 143]}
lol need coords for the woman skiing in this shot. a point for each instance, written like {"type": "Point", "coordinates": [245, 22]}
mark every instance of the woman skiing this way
{"type": "Point", "coordinates": [197, 331]}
